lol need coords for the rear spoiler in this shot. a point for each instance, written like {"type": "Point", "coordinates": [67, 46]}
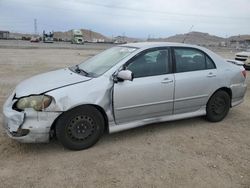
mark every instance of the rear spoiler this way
{"type": "Point", "coordinates": [235, 62]}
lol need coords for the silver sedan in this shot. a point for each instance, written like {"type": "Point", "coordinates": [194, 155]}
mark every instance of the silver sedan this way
{"type": "Point", "coordinates": [121, 88]}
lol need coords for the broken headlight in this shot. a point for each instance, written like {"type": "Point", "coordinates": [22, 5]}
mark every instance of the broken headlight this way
{"type": "Point", "coordinates": [37, 102]}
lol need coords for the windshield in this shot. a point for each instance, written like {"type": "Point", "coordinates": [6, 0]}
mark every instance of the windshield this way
{"type": "Point", "coordinates": [102, 62]}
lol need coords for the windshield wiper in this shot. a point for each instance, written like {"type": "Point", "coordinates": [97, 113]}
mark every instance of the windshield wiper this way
{"type": "Point", "coordinates": [78, 70]}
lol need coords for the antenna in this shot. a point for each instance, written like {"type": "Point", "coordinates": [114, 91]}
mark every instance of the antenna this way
{"type": "Point", "coordinates": [188, 33]}
{"type": "Point", "coordinates": [35, 26]}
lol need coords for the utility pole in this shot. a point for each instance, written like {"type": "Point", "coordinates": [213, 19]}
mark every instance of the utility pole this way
{"type": "Point", "coordinates": [123, 37]}
{"type": "Point", "coordinates": [149, 37]}
{"type": "Point", "coordinates": [90, 35]}
{"type": "Point", "coordinates": [185, 37]}
{"type": "Point", "coordinates": [35, 26]}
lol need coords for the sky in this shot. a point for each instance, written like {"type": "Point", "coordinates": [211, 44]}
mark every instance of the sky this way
{"type": "Point", "coordinates": [141, 19]}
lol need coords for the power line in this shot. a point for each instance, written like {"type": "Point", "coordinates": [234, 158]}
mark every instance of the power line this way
{"type": "Point", "coordinates": [139, 10]}
{"type": "Point", "coordinates": [161, 12]}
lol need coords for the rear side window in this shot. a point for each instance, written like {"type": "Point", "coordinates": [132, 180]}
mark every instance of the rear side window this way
{"type": "Point", "coordinates": [189, 59]}
{"type": "Point", "coordinates": [210, 63]}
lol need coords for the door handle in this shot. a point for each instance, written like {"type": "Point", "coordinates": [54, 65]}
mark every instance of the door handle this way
{"type": "Point", "coordinates": [166, 80]}
{"type": "Point", "coordinates": [210, 75]}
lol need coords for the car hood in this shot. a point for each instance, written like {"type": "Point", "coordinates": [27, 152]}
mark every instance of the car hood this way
{"type": "Point", "coordinates": [244, 53]}
{"type": "Point", "coordinates": [45, 82]}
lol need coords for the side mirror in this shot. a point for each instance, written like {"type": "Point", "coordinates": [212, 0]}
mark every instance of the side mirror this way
{"type": "Point", "coordinates": [125, 75]}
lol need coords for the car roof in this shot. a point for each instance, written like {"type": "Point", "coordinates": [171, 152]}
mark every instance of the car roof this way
{"type": "Point", "coordinates": [146, 45]}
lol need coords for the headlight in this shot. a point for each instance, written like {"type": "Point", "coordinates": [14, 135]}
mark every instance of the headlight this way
{"type": "Point", "coordinates": [37, 102]}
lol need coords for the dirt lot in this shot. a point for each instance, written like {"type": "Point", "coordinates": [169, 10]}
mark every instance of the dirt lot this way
{"type": "Point", "coordinates": [187, 153]}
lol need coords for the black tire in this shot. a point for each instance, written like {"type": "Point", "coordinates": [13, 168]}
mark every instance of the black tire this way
{"type": "Point", "coordinates": [80, 127]}
{"type": "Point", "coordinates": [218, 106]}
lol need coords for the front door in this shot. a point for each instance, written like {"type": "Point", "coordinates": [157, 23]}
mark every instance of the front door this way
{"type": "Point", "coordinates": [151, 92]}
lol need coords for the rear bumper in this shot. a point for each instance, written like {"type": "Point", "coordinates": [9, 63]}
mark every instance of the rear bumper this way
{"type": "Point", "coordinates": [238, 93]}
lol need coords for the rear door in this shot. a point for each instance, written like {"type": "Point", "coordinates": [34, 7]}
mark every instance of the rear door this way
{"type": "Point", "coordinates": [151, 92]}
{"type": "Point", "coordinates": [195, 78]}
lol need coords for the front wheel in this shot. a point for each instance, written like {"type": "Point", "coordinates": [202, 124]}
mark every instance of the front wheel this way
{"type": "Point", "coordinates": [80, 128]}
{"type": "Point", "coordinates": [218, 106]}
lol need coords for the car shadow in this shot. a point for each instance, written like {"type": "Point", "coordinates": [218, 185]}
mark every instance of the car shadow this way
{"type": "Point", "coordinates": [108, 139]}
{"type": "Point", "coordinates": [153, 128]}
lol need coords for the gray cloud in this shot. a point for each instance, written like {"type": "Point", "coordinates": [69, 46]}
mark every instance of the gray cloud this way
{"type": "Point", "coordinates": [157, 18]}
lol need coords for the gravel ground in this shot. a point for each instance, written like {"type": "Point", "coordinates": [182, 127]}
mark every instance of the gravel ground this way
{"type": "Point", "coordinates": [186, 153]}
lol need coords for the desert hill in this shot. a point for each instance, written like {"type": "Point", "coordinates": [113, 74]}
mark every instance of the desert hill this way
{"type": "Point", "coordinates": [88, 35]}
{"type": "Point", "coordinates": [198, 38]}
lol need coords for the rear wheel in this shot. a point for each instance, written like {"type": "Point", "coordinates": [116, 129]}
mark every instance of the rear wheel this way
{"type": "Point", "coordinates": [218, 106]}
{"type": "Point", "coordinates": [80, 128]}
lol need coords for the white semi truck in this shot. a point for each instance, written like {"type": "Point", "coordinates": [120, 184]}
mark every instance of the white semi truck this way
{"type": "Point", "coordinates": [77, 37]}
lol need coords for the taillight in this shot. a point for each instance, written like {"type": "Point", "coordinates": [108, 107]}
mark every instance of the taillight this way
{"type": "Point", "coordinates": [244, 72]}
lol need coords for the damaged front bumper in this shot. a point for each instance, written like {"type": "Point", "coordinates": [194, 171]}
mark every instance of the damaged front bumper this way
{"type": "Point", "coordinates": [27, 126]}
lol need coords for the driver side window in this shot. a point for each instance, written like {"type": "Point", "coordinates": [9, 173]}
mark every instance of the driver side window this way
{"type": "Point", "coordinates": [151, 63]}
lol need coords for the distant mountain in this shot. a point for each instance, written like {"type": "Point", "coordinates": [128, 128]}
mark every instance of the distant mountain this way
{"type": "Point", "coordinates": [88, 35]}
{"type": "Point", "coordinates": [239, 38]}
{"type": "Point", "coordinates": [127, 39]}
{"type": "Point", "coordinates": [194, 37]}
{"type": "Point", "coordinates": [198, 38]}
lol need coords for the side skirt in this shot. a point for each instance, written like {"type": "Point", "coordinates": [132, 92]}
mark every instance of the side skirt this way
{"type": "Point", "coordinates": [124, 126]}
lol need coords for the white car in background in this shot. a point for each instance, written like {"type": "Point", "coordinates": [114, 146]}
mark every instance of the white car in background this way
{"type": "Point", "coordinates": [244, 57]}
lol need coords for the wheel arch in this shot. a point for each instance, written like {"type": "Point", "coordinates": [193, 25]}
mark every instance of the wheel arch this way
{"type": "Point", "coordinates": [99, 108]}
{"type": "Point", "coordinates": [227, 90]}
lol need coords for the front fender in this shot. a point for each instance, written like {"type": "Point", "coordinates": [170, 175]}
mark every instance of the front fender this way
{"type": "Point", "coordinates": [95, 92]}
